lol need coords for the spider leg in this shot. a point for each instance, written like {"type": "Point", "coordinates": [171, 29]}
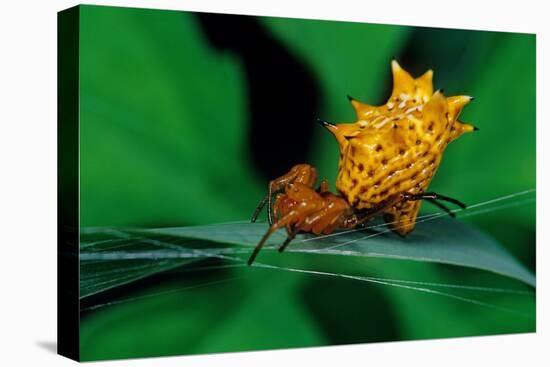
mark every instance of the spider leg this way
{"type": "Point", "coordinates": [435, 196]}
{"type": "Point", "coordinates": [441, 206]}
{"type": "Point", "coordinates": [300, 173]}
{"type": "Point", "coordinates": [260, 244]}
{"type": "Point", "coordinates": [267, 199]}
{"type": "Point", "coordinates": [290, 237]}
{"type": "Point", "coordinates": [295, 208]}
{"type": "Point", "coordinates": [401, 213]}
{"type": "Point", "coordinates": [259, 207]}
{"type": "Point", "coordinates": [364, 215]}
{"type": "Point", "coordinates": [292, 217]}
{"type": "Point", "coordinates": [270, 203]}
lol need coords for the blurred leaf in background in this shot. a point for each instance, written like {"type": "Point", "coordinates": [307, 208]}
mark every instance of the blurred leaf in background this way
{"type": "Point", "coordinates": [165, 117]}
{"type": "Point", "coordinates": [162, 120]}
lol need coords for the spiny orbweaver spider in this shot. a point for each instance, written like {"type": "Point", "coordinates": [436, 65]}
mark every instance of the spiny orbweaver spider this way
{"type": "Point", "coordinates": [387, 160]}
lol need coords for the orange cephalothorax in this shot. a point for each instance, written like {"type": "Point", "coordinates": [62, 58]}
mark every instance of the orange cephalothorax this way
{"type": "Point", "coordinates": [397, 147]}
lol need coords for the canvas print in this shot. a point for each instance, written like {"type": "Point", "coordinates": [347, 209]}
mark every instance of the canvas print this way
{"type": "Point", "coordinates": [237, 183]}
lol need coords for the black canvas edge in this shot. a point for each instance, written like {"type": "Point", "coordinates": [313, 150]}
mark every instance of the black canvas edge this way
{"type": "Point", "coordinates": [68, 267]}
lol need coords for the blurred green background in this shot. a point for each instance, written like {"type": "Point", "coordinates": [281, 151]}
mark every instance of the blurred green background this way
{"type": "Point", "coordinates": [185, 117]}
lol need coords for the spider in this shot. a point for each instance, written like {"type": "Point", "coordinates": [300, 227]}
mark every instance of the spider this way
{"type": "Point", "coordinates": [387, 160]}
{"type": "Point", "coordinates": [299, 207]}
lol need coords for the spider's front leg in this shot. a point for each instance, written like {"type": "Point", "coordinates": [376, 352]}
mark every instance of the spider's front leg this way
{"type": "Point", "coordinates": [300, 173]}
{"type": "Point", "coordinates": [291, 208]}
{"type": "Point", "coordinates": [289, 238]}
{"type": "Point", "coordinates": [273, 228]}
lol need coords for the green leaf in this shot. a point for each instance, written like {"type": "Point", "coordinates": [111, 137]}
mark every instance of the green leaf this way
{"type": "Point", "coordinates": [185, 316]}
{"type": "Point", "coordinates": [203, 312]}
{"type": "Point", "coordinates": [103, 267]}
{"type": "Point", "coordinates": [443, 241]}
{"type": "Point", "coordinates": [154, 123]}
{"type": "Point", "coordinates": [440, 240]}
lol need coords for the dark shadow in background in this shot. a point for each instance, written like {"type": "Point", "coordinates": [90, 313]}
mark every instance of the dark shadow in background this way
{"type": "Point", "coordinates": [449, 52]}
{"type": "Point", "coordinates": [282, 92]}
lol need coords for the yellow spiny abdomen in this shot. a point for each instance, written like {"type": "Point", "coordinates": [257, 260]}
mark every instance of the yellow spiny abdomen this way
{"type": "Point", "coordinates": [397, 147]}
